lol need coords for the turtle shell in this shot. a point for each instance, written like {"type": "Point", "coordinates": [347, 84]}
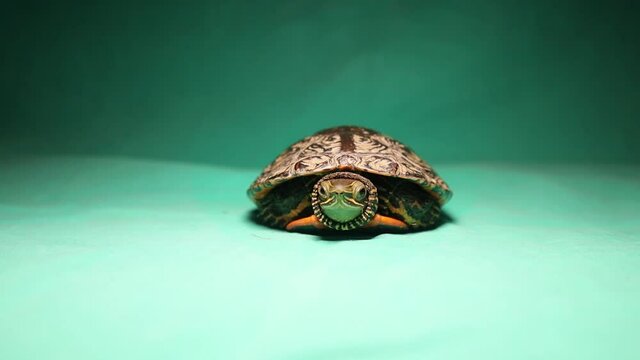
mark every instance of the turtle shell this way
{"type": "Point", "coordinates": [349, 148]}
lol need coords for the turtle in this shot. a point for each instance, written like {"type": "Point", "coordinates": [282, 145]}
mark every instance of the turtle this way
{"type": "Point", "coordinates": [346, 178]}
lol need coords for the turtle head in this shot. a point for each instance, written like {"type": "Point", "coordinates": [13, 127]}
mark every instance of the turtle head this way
{"type": "Point", "coordinates": [344, 200]}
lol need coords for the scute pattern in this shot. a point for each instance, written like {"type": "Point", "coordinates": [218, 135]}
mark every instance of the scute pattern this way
{"type": "Point", "coordinates": [349, 148]}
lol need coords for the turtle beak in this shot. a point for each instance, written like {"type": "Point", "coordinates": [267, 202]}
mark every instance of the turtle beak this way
{"type": "Point", "coordinates": [340, 209]}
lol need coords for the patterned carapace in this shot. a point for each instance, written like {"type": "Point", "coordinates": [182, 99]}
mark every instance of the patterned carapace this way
{"type": "Point", "coordinates": [350, 148]}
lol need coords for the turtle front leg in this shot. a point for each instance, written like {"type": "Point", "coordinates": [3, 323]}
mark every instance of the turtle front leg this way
{"type": "Point", "coordinates": [378, 221]}
{"type": "Point", "coordinates": [381, 221]}
{"type": "Point", "coordinates": [306, 223]}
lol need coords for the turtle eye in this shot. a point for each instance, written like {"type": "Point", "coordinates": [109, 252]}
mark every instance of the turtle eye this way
{"type": "Point", "coordinates": [322, 192]}
{"type": "Point", "coordinates": [360, 194]}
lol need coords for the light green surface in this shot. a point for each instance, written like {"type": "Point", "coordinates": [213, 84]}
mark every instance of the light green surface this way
{"type": "Point", "coordinates": [125, 259]}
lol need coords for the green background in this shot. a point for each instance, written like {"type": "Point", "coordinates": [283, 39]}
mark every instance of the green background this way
{"type": "Point", "coordinates": [130, 130]}
{"type": "Point", "coordinates": [210, 81]}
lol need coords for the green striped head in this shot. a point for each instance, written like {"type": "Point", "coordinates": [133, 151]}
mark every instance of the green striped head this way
{"type": "Point", "coordinates": [344, 200]}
